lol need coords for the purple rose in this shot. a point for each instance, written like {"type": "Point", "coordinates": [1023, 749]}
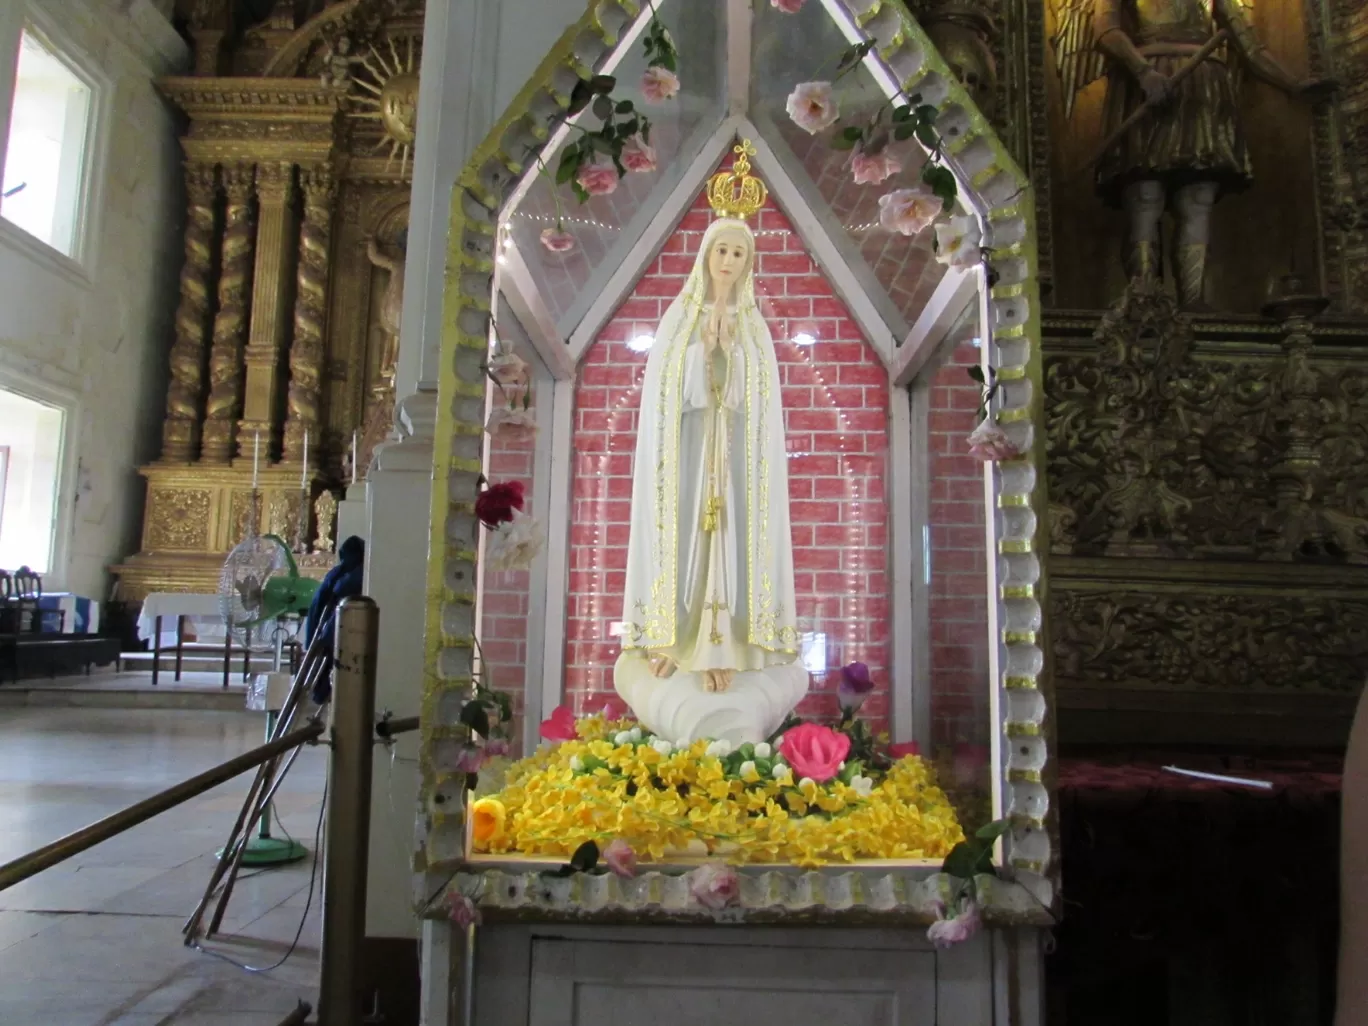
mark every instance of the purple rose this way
{"type": "Point", "coordinates": [855, 687]}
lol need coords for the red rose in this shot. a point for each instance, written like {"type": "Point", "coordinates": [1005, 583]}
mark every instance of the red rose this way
{"type": "Point", "coordinates": [560, 725]}
{"type": "Point", "coordinates": [496, 503]}
{"type": "Point", "coordinates": [815, 751]}
{"type": "Point", "coordinates": [903, 749]}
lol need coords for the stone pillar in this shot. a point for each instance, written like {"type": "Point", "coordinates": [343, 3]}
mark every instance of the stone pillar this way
{"type": "Point", "coordinates": [230, 322]}
{"type": "Point", "coordinates": [310, 311]}
{"type": "Point", "coordinates": [270, 320]}
{"type": "Point", "coordinates": [180, 432]}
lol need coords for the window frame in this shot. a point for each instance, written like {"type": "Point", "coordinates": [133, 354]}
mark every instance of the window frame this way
{"type": "Point", "coordinates": [31, 17]}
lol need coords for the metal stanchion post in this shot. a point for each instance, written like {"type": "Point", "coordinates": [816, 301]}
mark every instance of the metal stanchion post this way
{"type": "Point", "coordinates": [349, 798]}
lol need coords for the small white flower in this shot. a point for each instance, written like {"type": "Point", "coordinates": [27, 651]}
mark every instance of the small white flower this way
{"type": "Point", "coordinates": [635, 733]}
{"type": "Point", "coordinates": [842, 765]}
{"type": "Point", "coordinates": [662, 746]}
{"type": "Point", "coordinates": [719, 749]}
{"type": "Point", "coordinates": [763, 750]}
{"type": "Point", "coordinates": [577, 764]}
{"type": "Point", "coordinates": [807, 780]}
{"type": "Point", "coordinates": [748, 772]}
{"type": "Point", "coordinates": [622, 737]}
{"type": "Point", "coordinates": [781, 772]}
{"type": "Point", "coordinates": [862, 785]}
{"type": "Point", "coordinates": [683, 742]}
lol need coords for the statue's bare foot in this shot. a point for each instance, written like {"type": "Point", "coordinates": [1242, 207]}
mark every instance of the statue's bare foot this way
{"type": "Point", "coordinates": [663, 666]}
{"type": "Point", "coordinates": [717, 681]}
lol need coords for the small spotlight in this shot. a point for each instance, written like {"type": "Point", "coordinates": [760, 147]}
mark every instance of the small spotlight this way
{"type": "Point", "coordinates": [803, 338]}
{"type": "Point", "coordinates": [641, 343]}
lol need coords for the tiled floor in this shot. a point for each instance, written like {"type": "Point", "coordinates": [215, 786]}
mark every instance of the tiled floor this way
{"type": "Point", "coordinates": [96, 941]}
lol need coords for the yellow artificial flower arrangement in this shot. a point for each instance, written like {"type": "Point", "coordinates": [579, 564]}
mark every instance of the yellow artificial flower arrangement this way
{"type": "Point", "coordinates": [706, 798]}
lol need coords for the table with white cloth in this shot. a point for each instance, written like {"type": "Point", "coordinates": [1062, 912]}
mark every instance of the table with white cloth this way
{"type": "Point", "coordinates": [183, 606]}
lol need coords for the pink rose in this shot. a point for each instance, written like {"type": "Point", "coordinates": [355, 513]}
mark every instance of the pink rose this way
{"type": "Point", "coordinates": [620, 858]}
{"type": "Point", "coordinates": [513, 425]}
{"type": "Point", "coordinates": [715, 885]}
{"type": "Point", "coordinates": [659, 84]}
{"type": "Point", "coordinates": [508, 368]}
{"type": "Point", "coordinates": [560, 725]}
{"type": "Point", "coordinates": [638, 155]}
{"type": "Point", "coordinates": [615, 710]}
{"type": "Point", "coordinates": [945, 932]}
{"type": "Point", "coordinates": [497, 747]}
{"type": "Point", "coordinates": [903, 750]}
{"type": "Point", "coordinates": [812, 107]}
{"type": "Point", "coordinates": [990, 443]}
{"type": "Point", "coordinates": [815, 751]}
{"type": "Point", "coordinates": [871, 170]}
{"type": "Point", "coordinates": [787, 6]}
{"type": "Point", "coordinates": [908, 211]}
{"type": "Point", "coordinates": [463, 911]}
{"type": "Point", "coordinates": [557, 240]}
{"type": "Point", "coordinates": [471, 759]}
{"type": "Point", "coordinates": [597, 179]}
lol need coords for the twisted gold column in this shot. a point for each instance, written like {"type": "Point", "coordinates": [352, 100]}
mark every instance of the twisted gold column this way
{"type": "Point", "coordinates": [310, 311]}
{"type": "Point", "coordinates": [230, 323]}
{"type": "Point", "coordinates": [270, 317]}
{"type": "Point", "coordinates": [180, 432]}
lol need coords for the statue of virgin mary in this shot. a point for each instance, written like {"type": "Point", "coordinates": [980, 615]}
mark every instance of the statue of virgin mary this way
{"type": "Point", "coordinates": [710, 638]}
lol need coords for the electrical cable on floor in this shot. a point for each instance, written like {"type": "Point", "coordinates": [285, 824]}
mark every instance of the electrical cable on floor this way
{"type": "Point", "coordinates": [308, 902]}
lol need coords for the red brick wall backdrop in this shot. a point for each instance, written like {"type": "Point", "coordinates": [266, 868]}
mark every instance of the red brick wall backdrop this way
{"type": "Point", "coordinates": [835, 395]}
{"type": "Point", "coordinates": [959, 560]}
{"type": "Point", "coordinates": [506, 595]}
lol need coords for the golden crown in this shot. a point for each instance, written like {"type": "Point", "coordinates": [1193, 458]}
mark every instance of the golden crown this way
{"type": "Point", "coordinates": [737, 193]}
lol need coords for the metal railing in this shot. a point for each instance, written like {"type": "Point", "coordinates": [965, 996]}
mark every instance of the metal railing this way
{"type": "Point", "coordinates": [353, 732]}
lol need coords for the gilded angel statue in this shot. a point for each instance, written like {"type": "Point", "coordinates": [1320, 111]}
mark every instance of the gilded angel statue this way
{"type": "Point", "coordinates": [1174, 140]}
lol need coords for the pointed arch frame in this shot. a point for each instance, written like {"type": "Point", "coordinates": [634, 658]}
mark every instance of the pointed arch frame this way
{"type": "Point", "coordinates": [991, 183]}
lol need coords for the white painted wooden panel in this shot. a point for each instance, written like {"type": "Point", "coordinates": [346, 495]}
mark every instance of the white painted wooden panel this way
{"type": "Point", "coordinates": [604, 983]}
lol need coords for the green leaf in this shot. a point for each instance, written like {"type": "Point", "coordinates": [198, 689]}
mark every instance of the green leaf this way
{"type": "Point", "coordinates": [579, 97]}
{"type": "Point", "coordinates": [927, 114]}
{"type": "Point", "coordinates": [853, 55]}
{"type": "Point", "coordinates": [976, 373]}
{"type": "Point", "coordinates": [502, 698]}
{"type": "Point", "coordinates": [646, 131]}
{"type": "Point", "coordinates": [904, 131]}
{"type": "Point", "coordinates": [473, 715]}
{"type": "Point", "coordinates": [624, 107]}
{"type": "Point", "coordinates": [942, 183]}
{"type": "Point", "coordinates": [963, 859]}
{"type": "Point", "coordinates": [840, 142]}
{"type": "Point", "coordinates": [926, 135]}
{"type": "Point", "coordinates": [903, 113]}
{"type": "Point", "coordinates": [586, 857]}
{"type": "Point", "coordinates": [603, 108]}
{"type": "Point", "coordinates": [472, 781]}
{"type": "Point", "coordinates": [602, 84]}
{"type": "Point", "coordinates": [990, 832]}
{"type": "Point", "coordinates": [580, 194]}
{"type": "Point", "coordinates": [569, 164]}
{"type": "Point", "coordinates": [852, 132]}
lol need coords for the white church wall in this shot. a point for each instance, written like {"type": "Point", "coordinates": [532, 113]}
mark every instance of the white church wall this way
{"type": "Point", "coordinates": [90, 334]}
{"type": "Point", "coordinates": [477, 55]}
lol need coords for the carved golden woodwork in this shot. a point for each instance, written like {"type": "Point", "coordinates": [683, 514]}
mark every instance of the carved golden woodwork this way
{"type": "Point", "coordinates": [230, 322]}
{"type": "Point", "coordinates": [1209, 519]}
{"type": "Point", "coordinates": [283, 189]}
{"type": "Point", "coordinates": [180, 433]}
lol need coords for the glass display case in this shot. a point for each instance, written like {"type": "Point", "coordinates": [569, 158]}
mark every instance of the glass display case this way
{"type": "Point", "coordinates": [847, 444]}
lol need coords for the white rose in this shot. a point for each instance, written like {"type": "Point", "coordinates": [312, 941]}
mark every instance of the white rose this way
{"type": "Point", "coordinates": [958, 241]}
